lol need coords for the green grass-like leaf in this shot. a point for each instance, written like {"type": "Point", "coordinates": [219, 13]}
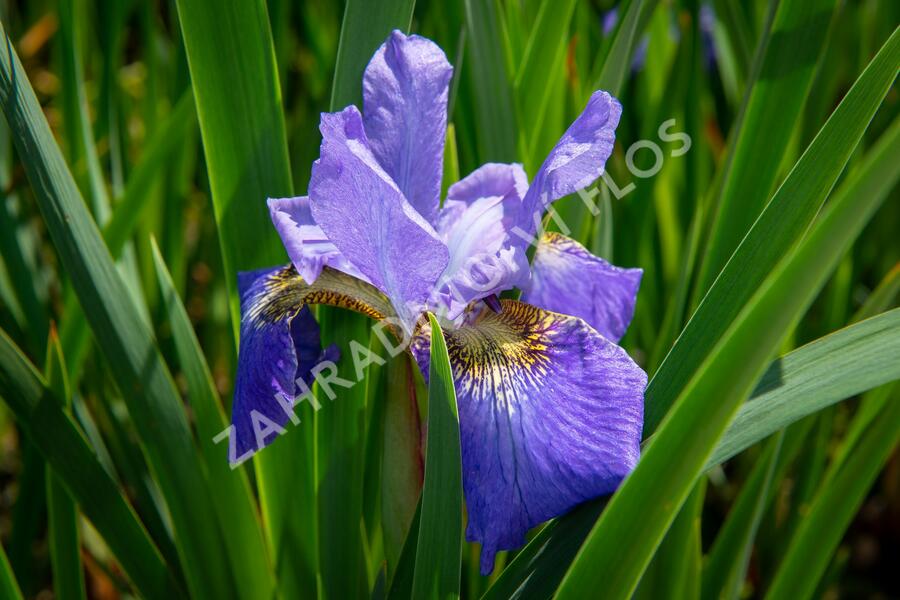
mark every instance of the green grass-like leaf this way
{"type": "Point", "coordinates": [402, 580]}
{"type": "Point", "coordinates": [881, 297]}
{"type": "Point", "coordinates": [805, 381]}
{"type": "Point", "coordinates": [544, 54]}
{"type": "Point", "coordinates": [833, 508]}
{"type": "Point", "coordinates": [438, 552]}
{"type": "Point", "coordinates": [231, 57]}
{"type": "Point", "coordinates": [797, 385]}
{"type": "Point", "coordinates": [676, 565]}
{"type": "Point", "coordinates": [234, 505]}
{"type": "Point", "coordinates": [126, 216]}
{"type": "Point", "coordinates": [167, 139]}
{"type": "Point", "coordinates": [363, 30]}
{"type": "Point", "coordinates": [726, 565]}
{"type": "Point", "coordinates": [783, 222]}
{"type": "Point", "coordinates": [494, 108]}
{"type": "Point", "coordinates": [626, 535]}
{"type": "Point", "coordinates": [776, 100]}
{"type": "Point", "coordinates": [82, 150]}
{"type": "Point", "coordinates": [236, 89]}
{"type": "Point", "coordinates": [121, 333]}
{"type": "Point", "coordinates": [341, 442]}
{"type": "Point", "coordinates": [8, 586]}
{"type": "Point", "coordinates": [62, 516]}
{"type": "Point", "coordinates": [40, 414]}
{"type": "Point", "coordinates": [617, 62]}
{"type": "Point", "coordinates": [537, 566]}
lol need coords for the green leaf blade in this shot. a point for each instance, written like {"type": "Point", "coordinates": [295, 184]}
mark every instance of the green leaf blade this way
{"type": "Point", "coordinates": [838, 366]}
{"type": "Point", "coordinates": [235, 508]}
{"type": "Point", "coordinates": [232, 62]}
{"type": "Point", "coordinates": [9, 588]}
{"type": "Point", "coordinates": [833, 508]}
{"type": "Point", "coordinates": [494, 106]}
{"type": "Point", "coordinates": [782, 223]}
{"type": "Point", "coordinates": [622, 542]}
{"type": "Point", "coordinates": [782, 84]}
{"type": "Point", "coordinates": [726, 565]}
{"type": "Point", "coordinates": [121, 332]}
{"type": "Point", "coordinates": [62, 515]}
{"type": "Point", "coordinates": [39, 412]}
{"type": "Point", "coordinates": [544, 54]}
{"type": "Point", "coordinates": [231, 57]}
{"type": "Point", "coordinates": [438, 553]}
{"type": "Point", "coordinates": [363, 30]}
{"type": "Point", "coordinates": [617, 62]}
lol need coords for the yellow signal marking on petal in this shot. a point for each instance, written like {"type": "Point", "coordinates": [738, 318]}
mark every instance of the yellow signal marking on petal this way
{"type": "Point", "coordinates": [502, 355]}
{"type": "Point", "coordinates": [281, 298]}
{"type": "Point", "coordinates": [554, 237]}
{"type": "Point", "coordinates": [557, 242]}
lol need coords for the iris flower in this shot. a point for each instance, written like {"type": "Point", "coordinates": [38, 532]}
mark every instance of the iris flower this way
{"type": "Point", "coordinates": [550, 407]}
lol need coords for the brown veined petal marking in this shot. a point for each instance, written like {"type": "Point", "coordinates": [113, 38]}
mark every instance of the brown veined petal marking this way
{"type": "Point", "coordinates": [286, 292]}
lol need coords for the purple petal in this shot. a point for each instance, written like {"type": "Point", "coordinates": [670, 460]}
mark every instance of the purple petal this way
{"type": "Point", "coordinates": [500, 182]}
{"type": "Point", "coordinates": [368, 219]}
{"type": "Point", "coordinates": [476, 222]}
{"type": "Point", "coordinates": [550, 415]}
{"type": "Point", "coordinates": [405, 106]}
{"type": "Point", "coordinates": [610, 19]}
{"type": "Point", "coordinates": [307, 245]}
{"type": "Point", "coordinates": [568, 279]}
{"type": "Point", "coordinates": [578, 158]}
{"type": "Point", "coordinates": [279, 344]}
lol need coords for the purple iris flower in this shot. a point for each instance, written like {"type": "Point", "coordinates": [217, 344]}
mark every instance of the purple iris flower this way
{"type": "Point", "coordinates": [608, 24]}
{"type": "Point", "coordinates": [550, 407]}
{"type": "Point", "coordinates": [609, 20]}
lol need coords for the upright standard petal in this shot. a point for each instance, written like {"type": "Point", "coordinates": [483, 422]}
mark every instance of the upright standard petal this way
{"type": "Point", "coordinates": [279, 344]}
{"type": "Point", "coordinates": [307, 245]}
{"type": "Point", "coordinates": [363, 212]}
{"type": "Point", "coordinates": [405, 107]}
{"type": "Point", "coordinates": [550, 415]}
{"type": "Point", "coordinates": [475, 222]}
{"type": "Point", "coordinates": [568, 279]}
{"type": "Point", "coordinates": [578, 158]}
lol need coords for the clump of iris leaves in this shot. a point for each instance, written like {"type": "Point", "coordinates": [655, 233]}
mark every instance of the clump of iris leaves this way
{"type": "Point", "coordinates": [138, 146]}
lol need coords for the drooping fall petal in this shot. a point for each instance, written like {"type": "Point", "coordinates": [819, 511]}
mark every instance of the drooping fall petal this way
{"type": "Point", "coordinates": [550, 415]}
{"type": "Point", "coordinates": [567, 278]}
{"type": "Point", "coordinates": [279, 344]}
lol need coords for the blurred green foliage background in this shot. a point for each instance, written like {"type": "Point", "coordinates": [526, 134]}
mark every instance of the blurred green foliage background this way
{"type": "Point", "coordinates": [121, 84]}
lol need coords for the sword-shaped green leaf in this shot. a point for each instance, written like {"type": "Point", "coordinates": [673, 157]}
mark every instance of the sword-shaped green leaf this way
{"type": "Point", "coordinates": [438, 552]}
{"type": "Point", "coordinates": [40, 414]}
{"type": "Point", "coordinates": [121, 333]}
{"type": "Point", "coordinates": [234, 503]}
{"type": "Point", "coordinates": [62, 515]}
